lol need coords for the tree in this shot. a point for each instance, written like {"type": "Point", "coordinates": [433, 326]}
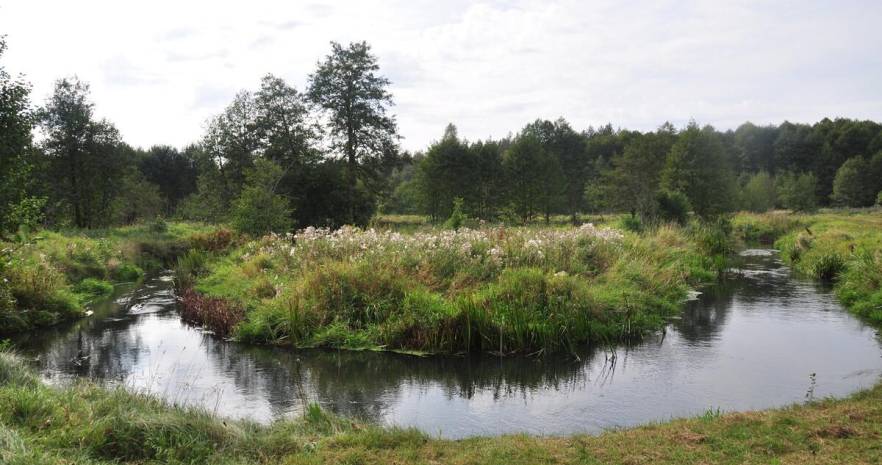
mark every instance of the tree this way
{"type": "Point", "coordinates": [86, 155]}
{"type": "Point", "coordinates": [568, 148]}
{"type": "Point", "coordinates": [172, 172]}
{"type": "Point", "coordinates": [16, 123]}
{"type": "Point", "coordinates": [231, 143]}
{"type": "Point", "coordinates": [529, 170]}
{"type": "Point", "coordinates": [852, 186]}
{"type": "Point", "coordinates": [796, 191]}
{"type": "Point", "coordinates": [258, 210]}
{"type": "Point", "coordinates": [696, 167]}
{"type": "Point", "coordinates": [757, 147]}
{"type": "Point", "coordinates": [138, 199]}
{"type": "Point", "coordinates": [348, 87]}
{"type": "Point", "coordinates": [758, 193]}
{"type": "Point", "coordinates": [633, 181]}
{"type": "Point", "coordinates": [489, 178]}
{"type": "Point", "coordinates": [448, 171]}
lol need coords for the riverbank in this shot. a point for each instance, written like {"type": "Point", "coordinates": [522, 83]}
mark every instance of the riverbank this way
{"type": "Point", "coordinates": [87, 424]}
{"type": "Point", "coordinates": [493, 289]}
{"type": "Point", "coordinates": [843, 248]}
{"type": "Point", "coordinates": [51, 276]}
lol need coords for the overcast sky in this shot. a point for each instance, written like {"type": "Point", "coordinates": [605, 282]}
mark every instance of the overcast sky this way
{"type": "Point", "coordinates": [159, 69]}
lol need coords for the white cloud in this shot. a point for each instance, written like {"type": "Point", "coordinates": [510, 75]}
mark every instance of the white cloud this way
{"type": "Point", "coordinates": [160, 69]}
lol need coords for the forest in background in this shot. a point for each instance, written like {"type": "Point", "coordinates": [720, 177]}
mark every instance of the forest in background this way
{"type": "Point", "coordinates": [276, 159]}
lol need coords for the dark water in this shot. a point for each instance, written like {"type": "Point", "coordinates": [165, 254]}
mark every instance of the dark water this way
{"type": "Point", "coordinates": [752, 342]}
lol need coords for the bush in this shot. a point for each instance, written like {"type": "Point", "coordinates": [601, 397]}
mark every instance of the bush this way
{"type": "Point", "coordinates": [259, 210]}
{"type": "Point", "coordinates": [457, 217]}
{"type": "Point", "coordinates": [217, 315]}
{"type": "Point", "coordinates": [673, 206]}
{"type": "Point", "coordinates": [796, 191]}
{"type": "Point", "coordinates": [758, 193]}
{"type": "Point", "coordinates": [631, 223]}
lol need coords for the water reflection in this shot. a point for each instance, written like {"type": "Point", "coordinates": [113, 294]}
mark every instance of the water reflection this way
{"type": "Point", "coordinates": [749, 342]}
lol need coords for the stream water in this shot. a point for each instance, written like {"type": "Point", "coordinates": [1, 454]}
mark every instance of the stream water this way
{"type": "Point", "coordinates": [759, 339]}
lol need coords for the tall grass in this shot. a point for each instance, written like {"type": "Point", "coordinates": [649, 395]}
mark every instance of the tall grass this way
{"type": "Point", "coordinates": [493, 289]}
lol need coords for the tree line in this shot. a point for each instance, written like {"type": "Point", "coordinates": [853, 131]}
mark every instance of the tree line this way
{"type": "Point", "coordinates": [550, 168]}
{"type": "Point", "coordinates": [277, 158]}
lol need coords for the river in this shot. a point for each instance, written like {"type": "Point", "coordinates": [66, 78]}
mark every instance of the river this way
{"type": "Point", "coordinates": [761, 338]}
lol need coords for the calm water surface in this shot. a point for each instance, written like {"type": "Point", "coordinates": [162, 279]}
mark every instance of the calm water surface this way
{"type": "Point", "coordinates": [752, 342]}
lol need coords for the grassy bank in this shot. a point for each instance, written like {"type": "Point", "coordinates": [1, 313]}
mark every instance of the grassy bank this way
{"type": "Point", "coordinates": [50, 277]}
{"type": "Point", "coordinates": [841, 247]}
{"type": "Point", "coordinates": [85, 424]}
{"type": "Point", "coordinates": [490, 289]}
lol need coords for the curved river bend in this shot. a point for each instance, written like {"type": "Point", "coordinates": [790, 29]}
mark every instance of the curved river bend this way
{"type": "Point", "coordinates": [752, 342]}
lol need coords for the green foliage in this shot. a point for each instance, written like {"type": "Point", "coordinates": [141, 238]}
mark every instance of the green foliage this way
{"type": "Point", "coordinates": [633, 181]}
{"type": "Point", "coordinates": [347, 86]}
{"type": "Point", "coordinates": [533, 174]}
{"type": "Point", "coordinates": [138, 200]}
{"type": "Point", "coordinates": [673, 206]}
{"type": "Point", "coordinates": [853, 184]}
{"type": "Point", "coordinates": [457, 217]}
{"type": "Point", "coordinates": [797, 191]}
{"type": "Point", "coordinates": [91, 287]}
{"type": "Point", "coordinates": [259, 210]}
{"type": "Point", "coordinates": [696, 166]}
{"type": "Point", "coordinates": [86, 156]}
{"type": "Point", "coordinates": [18, 206]}
{"type": "Point", "coordinates": [759, 194]}
{"type": "Point", "coordinates": [631, 223]}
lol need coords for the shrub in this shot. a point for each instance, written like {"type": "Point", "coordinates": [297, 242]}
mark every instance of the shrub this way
{"type": "Point", "coordinates": [215, 314]}
{"type": "Point", "coordinates": [631, 223]}
{"type": "Point", "coordinates": [673, 206]}
{"type": "Point", "coordinates": [259, 210]}
{"type": "Point", "coordinates": [457, 217]}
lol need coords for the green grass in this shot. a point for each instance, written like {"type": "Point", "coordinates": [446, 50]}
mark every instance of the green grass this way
{"type": "Point", "coordinates": [85, 424]}
{"type": "Point", "coordinates": [494, 289]}
{"type": "Point", "coordinates": [52, 275]}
